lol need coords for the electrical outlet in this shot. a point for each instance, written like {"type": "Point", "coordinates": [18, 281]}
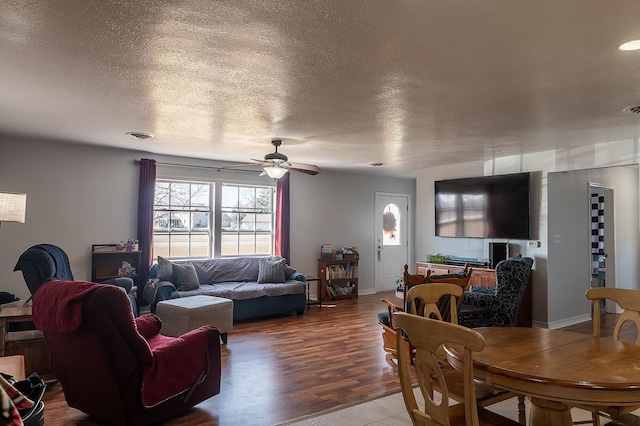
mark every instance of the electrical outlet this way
{"type": "Point", "coordinates": [533, 243]}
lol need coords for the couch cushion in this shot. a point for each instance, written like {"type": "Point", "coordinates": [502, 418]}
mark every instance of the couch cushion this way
{"type": "Point", "coordinates": [236, 269]}
{"type": "Point", "coordinates": [271, 269]}
{"type": "Point", "coordinates": [165, 269]}
{"type": "Point", "coordinates": [247, 290]}
{"type": "Point", "coordinates": [185, 277]}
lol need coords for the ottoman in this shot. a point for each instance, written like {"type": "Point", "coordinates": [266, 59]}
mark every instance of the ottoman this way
{"type": "Point", "coordinates": [188, 313]}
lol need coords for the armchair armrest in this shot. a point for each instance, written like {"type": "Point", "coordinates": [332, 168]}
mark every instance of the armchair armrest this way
{"type": "Point", "coordinates": [479, 298]}
{"type": "Point", "coordinates": [386, 317]}
{"type": "Point", "coordinates": [187, 359]}
{"type": "Point", "coordinates": [148, 325]}
{"type": "Point", "coordinates": [124, 282]}
{"type": "Point", "coordinates": [483, 289]}
{"type": "Point", "coordinates": [393, 305]}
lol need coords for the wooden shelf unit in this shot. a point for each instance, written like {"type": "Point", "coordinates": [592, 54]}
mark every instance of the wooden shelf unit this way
{"type": "Point", "coordinates": [338, 272]}
{"type": "Point", "coordinates": [485, 277]}
{"type": "Point", "coordinates": [106, 260]}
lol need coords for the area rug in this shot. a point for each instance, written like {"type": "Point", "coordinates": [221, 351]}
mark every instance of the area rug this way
{"type": "Point", "coordinates": [342, 407]}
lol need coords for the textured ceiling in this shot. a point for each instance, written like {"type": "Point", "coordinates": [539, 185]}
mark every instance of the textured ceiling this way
{"type": "Point", "coordinates": [411, 83]}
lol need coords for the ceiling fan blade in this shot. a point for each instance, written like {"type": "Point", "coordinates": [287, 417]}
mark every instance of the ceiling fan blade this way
{"type": "Point", "coordinates": [238, 166]}
{"type": "Point", "coordinates": [309, 169]}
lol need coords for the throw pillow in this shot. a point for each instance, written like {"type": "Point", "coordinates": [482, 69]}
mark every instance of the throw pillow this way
{"type": "Point", "coordinates": [185, 276]}
{"type": "Point", "coordinates": [288, 270]}
{"type": "Point", "coordinates": [271, 269]}
{"type": "Point", "coordinates": [165, 269]}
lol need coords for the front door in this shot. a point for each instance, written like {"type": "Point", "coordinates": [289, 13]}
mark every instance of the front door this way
{"type": "Point", "coordinates": [391, 238]}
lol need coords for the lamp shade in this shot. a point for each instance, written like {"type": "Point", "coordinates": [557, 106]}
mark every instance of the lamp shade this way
{"type": "Point", "coordinates": [13, 207]}
{"type": "Point", "coordinates": [274, 171]}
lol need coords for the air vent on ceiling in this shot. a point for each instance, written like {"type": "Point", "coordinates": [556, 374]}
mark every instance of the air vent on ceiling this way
{"type": "Point", "coordinates": [633, 109]}
{"type": "Point", "coordinates": [140, 135]}
{"type": "Point", "coordinates": [376, 164]}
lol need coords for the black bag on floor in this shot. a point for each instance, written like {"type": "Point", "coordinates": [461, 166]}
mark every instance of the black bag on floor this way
{"type": "Point", "coordinates": [33, 388]}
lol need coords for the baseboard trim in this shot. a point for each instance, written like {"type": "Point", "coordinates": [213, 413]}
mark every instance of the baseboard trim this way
{"type": "Point", "coordinates": [569, 321]}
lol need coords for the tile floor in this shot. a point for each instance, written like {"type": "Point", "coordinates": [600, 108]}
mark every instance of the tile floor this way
{"type": "Point", "coordinates": [390, 411]}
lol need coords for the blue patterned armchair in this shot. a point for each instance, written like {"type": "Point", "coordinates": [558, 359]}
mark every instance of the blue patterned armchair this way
{"type": "Point", "coordinates": [497, 306]}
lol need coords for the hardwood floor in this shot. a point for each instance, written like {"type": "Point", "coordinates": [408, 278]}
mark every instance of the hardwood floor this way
{"type": "Point", "coordinates": [279, 369]}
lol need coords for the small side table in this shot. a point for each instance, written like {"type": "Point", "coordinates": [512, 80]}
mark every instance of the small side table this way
{"type": "Point", "coordinates": [310, 301]}
{"type": "Point", "coordinates": [29, 343]}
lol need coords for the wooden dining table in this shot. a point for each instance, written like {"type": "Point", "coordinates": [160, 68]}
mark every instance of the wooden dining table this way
{"type": "Point", "coordinates": [556, 369]}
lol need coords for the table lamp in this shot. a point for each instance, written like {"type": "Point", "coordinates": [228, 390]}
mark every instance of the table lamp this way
{"type": "Point", "coordinates": [13, 207]}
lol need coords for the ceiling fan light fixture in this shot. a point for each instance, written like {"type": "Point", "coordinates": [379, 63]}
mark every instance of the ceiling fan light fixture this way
{"type": "Point", "coordinates": [630, 45]}
{"type": "Point", "coordinates": [275, 171]}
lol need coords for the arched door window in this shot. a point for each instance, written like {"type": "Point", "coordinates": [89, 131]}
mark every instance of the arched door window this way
{"type": "Point", "coordinates": [391, 225]}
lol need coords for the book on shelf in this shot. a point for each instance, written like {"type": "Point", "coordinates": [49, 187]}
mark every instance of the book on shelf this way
{"type": "Point", "coordinates": [348, 270]}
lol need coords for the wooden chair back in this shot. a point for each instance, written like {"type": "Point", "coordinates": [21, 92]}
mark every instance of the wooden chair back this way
{"type": "Point", "coordinates": [435, 300]}
{"type": "Point", "coordinates": [627, 299]}
{"type": "Point", "coordinates": [411, 280]}
{"type": "Point", "coordinates": [427, 336]}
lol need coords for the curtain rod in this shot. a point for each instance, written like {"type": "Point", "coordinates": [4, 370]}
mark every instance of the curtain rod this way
{"type": "Point", "coordinates": [194, 166]}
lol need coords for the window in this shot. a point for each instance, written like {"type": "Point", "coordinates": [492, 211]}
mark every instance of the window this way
{"type": "Point", "coordinates": [247, 220]}
{"type": "Point", "coordinates": [188, 215]}
{"type": "Point", "coordinates": [181, 219]}
{"type": "Point", "coordinates": [391, 225]}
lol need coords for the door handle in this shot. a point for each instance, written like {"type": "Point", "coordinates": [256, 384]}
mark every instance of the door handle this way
{"type": "Point", "coordinates": [379, 254]}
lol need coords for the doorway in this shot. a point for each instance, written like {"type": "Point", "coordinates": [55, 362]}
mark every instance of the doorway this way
{"type": "Point", "coordinates": [391, 239]}
{"type": "Point", "coordinates": [602, 240]}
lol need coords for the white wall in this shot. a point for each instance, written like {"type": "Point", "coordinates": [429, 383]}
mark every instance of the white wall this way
{"type": "Point", "coordinates": [545, 286]}
{"type": "Point", "coordinates": [80, 195]}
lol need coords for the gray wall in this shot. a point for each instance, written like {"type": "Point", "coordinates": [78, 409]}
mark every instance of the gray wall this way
{"type": "Point", "coordinates": [555, 302]}
{"type": "Point", "coordinates": [80, 195]}
{"type": "Point", "coordinates": [569, 219]}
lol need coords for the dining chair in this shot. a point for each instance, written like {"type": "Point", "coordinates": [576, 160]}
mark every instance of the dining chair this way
{"type": "Point", "coordinates": [385, 319]}
{"type": "Point", "coordinates": [427, 336]}
{"type": "Point", "coordinates": [629, 302]}
{"type": "Point", "coordinates": [440, 301]}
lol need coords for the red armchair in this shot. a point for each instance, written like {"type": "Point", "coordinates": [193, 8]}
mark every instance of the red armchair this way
{"type": "Point", "coordinates": [118, 369]}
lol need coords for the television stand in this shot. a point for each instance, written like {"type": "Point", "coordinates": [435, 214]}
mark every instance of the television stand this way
{"type": "Point", "coordinates": [461, 261]}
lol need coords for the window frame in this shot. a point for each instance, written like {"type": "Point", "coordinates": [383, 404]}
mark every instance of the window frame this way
{"type": "Point", "coordinates": [215, 213]}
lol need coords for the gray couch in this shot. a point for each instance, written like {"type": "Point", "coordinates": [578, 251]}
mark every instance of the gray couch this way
{"type": "Point", "coordinates": [258, 286]}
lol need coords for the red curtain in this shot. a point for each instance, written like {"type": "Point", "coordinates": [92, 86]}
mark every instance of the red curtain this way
{"type": "Point", "coordinates": [147, 188]}
{"type": "Point", "coordinates": [282, 243]}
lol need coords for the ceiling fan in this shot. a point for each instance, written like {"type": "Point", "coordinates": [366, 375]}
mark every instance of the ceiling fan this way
{"type": "Point", "coordinates": [276, 164]}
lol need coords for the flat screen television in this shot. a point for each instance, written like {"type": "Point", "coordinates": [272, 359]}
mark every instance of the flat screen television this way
{"type": "Point", "coordinates": [483, 207]}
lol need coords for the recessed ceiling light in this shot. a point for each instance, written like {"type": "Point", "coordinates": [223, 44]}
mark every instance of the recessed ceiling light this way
{"type": "Point", "coordinates": [140, 135]}
{"type": "Point", "coordinates": [376, 164]}
{"type": "Point", "coordinates": [630, 45]}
